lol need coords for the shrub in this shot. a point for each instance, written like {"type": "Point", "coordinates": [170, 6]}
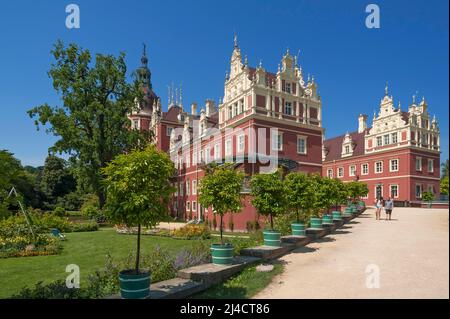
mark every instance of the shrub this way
{"type": "Point", "coordinates": [90, 211]}
{"type": "Point", "coordinates": [59, 211]}
{"type": "Point", "coordinates": [192, 232]}
{"type": "Point", "coordinates": [283, 222]}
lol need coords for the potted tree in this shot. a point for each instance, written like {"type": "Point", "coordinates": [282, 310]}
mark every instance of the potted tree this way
{"type": "Point", "coordinates": [338, 194]}
{"type": "Point", "coordinates": [300, 197]}
{"type": "Point", "coordinates": [428, 197]}
{"type": "Point", "coordinates": [221, 189]}
{"type": "Point", "coordinates": [319, 201]}
{"type": "Point", "coordinates": [138, 192]}
{"type": "Point", "coordinates": [269, 199]}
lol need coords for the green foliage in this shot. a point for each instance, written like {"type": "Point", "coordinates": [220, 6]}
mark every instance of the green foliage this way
{"type": "Point", "coordinates": [12, 174]}
{"type": "Point", "coordinates": [56, 180]}
{"type": "Point", "coordinates": [301, 197]}
{"type": "Point", "coordinates": [192, 232]}
{"type": "Point", "coordinates": [138, 187]}
{"type": "Point", "coordinates": [269, 195]}
{"type": "Point", "coordinates": [444, 186]}
{"type": "Point", "coordinates": [428, 197]}
{"type": "Point", "coordinates": [283, 222]}
{"type": "Point", "coordinates": [59, 211]}
{"type": "Point", "coordinates": [221, 189]}
{"type": "Point", "coordinates": [91, 122]}
{"type": "Point", "coordinates": [356, 190]}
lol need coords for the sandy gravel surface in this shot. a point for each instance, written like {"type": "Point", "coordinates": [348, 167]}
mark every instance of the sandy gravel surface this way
{"type": "Point", "coordinates": [411, 253]}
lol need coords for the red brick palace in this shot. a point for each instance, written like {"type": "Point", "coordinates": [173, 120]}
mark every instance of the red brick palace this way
{"type": "Point", "coordinates": [270, 119]}
{"type": "Point", "coordinates": [265, 120]}
{"type": "Point", "coordinates": [397, 156]}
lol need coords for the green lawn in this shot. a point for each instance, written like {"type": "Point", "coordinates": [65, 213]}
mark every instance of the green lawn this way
{"type": "Point", "coordinates": [86, 249]}
{"type": "Point", "coordinates": [244, 285]}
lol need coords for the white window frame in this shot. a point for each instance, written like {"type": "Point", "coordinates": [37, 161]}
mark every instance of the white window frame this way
{"type": "Point", "coordinates": [350, 173]}
{"type": "Point", "coordinates": [330, 171]}
{"type": "Point", "coordinates": [375, 167]}
{"type": "Point", "coordinates": [430, 188]}
{"type": "Point", "coordinates": [286, 104]}
{"type": "Point", "coordinates": [379, 141]}
{"type": "Point", "coordinates": [396, 138]}
{"type": "Point", "coordinates": [169, 130]}
{"type": "Point", "coordinates": [418, 160]}
{"type": "Point", "coordinates": [277, 145]}
{"type": "Point", "coordinates": [229, 147]}
{"type": "Point", "coordinates": [390, 165]}
{"type": "Point", "coordinates": [207, 155]}
{"type": "Point", "coordinates": [305, 140]}
{"type": "Point", "coordinates": [421, 190]}
{"type": "Point", "coordinates": [388, 138]}
{"type": "Point", "coordinates": [136, 124]}
{"type": "Point", "coordinates": [217, 152]}
{"type": "Point", "coordinates": [287, 87]}
{"type": "Point", "coordinates": [241, 143]}
{"type": "Point", "coordinates": [194, 187]}
{"type": "Point", "coordinates": [390, 190]}
{"type": "Point", "coordinates": [430, 161]}
{"type": "Point", "coordinates": [339, 170]}
{"type": "Point", "coordinates": [194, 206]}
{"type": "Point", "coordinates": [362, 169]}
{"type": "Point", "coordinates": [188, 206]}
{"type": "Point", "coordinates": [188, 160]}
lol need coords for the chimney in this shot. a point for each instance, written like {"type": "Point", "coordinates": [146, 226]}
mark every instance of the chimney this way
{"type": "Point", "coordinates": [194, 108]}
{"type": "Point", "coordinates": [362, 123]}
{"type": "Point", "coordinates": [210, 107]}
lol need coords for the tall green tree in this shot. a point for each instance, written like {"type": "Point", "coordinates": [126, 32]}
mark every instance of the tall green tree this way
{"type": "Point", "coordinates": [57, 179]}
{"type": "Point", "coordinates": [12, 174]}
{"type": "Point", "coordinates": [300, 194]}
{"type": "Point", "coordinates": [444, 186]}
{"type": "Point", "coordinates": [220, 189]}
{"type": "Point", "coordinates": [269, 195]}
{"type": "Point", "coordinates": [356, 190]}
{"type": "Point", "coordinates": [139, 189]}
{"type": "Point", "coordinates": [91, 123]}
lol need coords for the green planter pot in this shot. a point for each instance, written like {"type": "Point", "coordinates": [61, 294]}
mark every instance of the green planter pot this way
{"type": "Point", "coordinates": [298, 229]}
{"type": "Point", "coordinates": [327, 219]}
{"type": "Point", "coordinates": [315, 222]}
{"type": "Point", "coordinates": [222, 254]}
{"type": "Point", "coordinates": [336, 215]}
{"type": "Point", "coordinates": [272, 238]}
{"type": "Point", "coordinates": [134, 286]}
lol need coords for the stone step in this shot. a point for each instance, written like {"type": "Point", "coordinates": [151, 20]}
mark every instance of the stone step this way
{"type": "Point", "coordinates": [298, 241]}
{"type": "Point", "coordinates": [329, 227]}
{"type": "Point", "coordinates": [176, 288]}
{"type": "Point", "coordinates": [210, 274]}
{"type": "Point", "coordinates": [268, 252]}
{"type": "Point", "coordinates": [316, 233]}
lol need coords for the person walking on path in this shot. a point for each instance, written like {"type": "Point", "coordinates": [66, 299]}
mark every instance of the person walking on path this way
{"type": "Point", "coordinates": [378, 205]}
{"type": "Point", "coordinates": [388, 206]}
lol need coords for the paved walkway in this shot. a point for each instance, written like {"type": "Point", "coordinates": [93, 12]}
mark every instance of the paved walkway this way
{"type": "Point", "coordinates": [411, 251]}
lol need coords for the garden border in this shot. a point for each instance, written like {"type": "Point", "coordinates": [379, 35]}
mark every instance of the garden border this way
{"type": "Point", "coordinates": [198, 278]}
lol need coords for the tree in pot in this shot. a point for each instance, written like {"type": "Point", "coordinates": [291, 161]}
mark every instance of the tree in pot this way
{"type": "Point", "coordinates": [221, 189]}
{"type": "Point", "coordinates": [269, 199]}
{"type": "Point", "coordinates": [138, 193]}
{"type": "Point", "coordinates": [428, 197]}
{"type": "Point", "coordinates": [300, 198]}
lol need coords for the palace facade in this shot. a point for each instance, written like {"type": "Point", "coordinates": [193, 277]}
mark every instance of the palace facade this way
{"type": "Point", "coordinates": [265, 120]}
{"type": "Point", "coordinates": [271, 119]}
{"type": "Point", "coordinates": [397, 156]}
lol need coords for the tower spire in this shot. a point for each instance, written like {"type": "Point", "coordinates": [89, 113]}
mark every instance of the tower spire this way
{"type": "Point", "coordinates": [386, 89]}
{"type": "Point", "coordinates": [235, 40]}
{"type": "Point", "coordinates": [144, 59]}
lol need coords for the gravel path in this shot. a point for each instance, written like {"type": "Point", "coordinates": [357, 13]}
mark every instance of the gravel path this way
{"type": "Point", "coordinates": [411, 253]}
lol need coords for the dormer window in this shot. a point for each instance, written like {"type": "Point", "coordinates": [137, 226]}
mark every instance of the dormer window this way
{"type": "Point", "coordinates": [347, 149]}
{"type": "Point", "coordinates": [287, 87]}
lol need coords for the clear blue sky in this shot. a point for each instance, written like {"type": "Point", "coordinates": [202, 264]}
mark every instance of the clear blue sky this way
{"type": "Point", "coordinates": [191, 42]}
